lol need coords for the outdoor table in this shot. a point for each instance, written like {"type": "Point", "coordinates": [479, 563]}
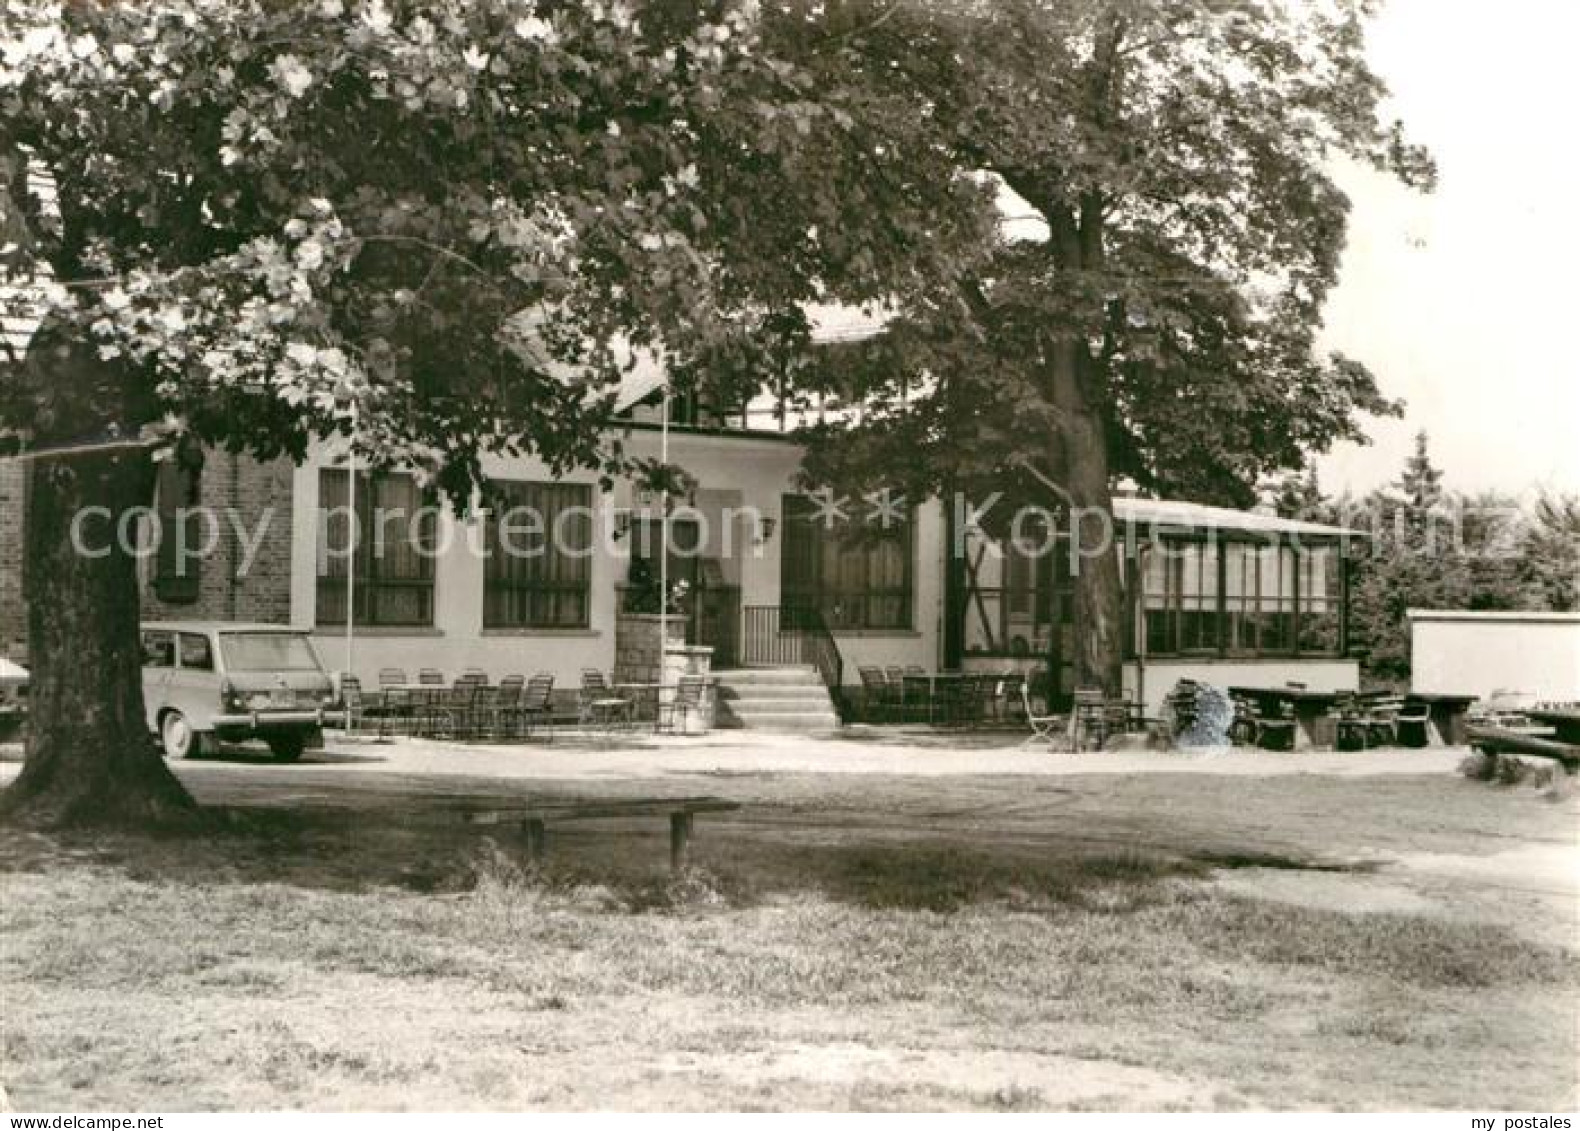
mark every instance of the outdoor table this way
{"type": "Point", "coordinates": [933, 679]}
{"type": "Point", "coordinates": [1565, 722]}
{"type": "Point", "coordinates": [643, 698]}
{"type": "Point", "coordinates": [410, 696]}
{"type": "Point", "coordinates": [651, 696]}
{"type": "Point", "coordinates": [1445, 716]}
{"type": "Point", "coordinates": [1309, 707]}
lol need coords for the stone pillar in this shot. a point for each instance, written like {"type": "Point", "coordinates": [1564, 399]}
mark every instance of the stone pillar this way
{"type": "Point", "coordinates": [638, 656]}
{"type": "Point", "coordinates": [691, 659]}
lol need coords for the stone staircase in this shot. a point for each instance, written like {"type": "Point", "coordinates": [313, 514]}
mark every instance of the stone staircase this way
{"type": "Point", "coordinates": [787, 700]}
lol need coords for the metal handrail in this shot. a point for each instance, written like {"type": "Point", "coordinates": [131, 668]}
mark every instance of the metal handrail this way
{"type": "Point", "coordinates": [771, 635]}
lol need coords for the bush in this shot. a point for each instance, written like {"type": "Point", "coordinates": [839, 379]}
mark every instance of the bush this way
{"type": "Point", "coordinates": [1479, 766]}
{"type": "Point", "coordinates": [1512, 771]}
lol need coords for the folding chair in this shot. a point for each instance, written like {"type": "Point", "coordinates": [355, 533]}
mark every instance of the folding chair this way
{"type": "Point", "coordinates": [537, 703]}
{"type": "Point", "coordinates": [878, 696]}
{"type": "Point", "coordinates": [1044, 728]}
{"type": "Point", "coordinates": [688, 699]}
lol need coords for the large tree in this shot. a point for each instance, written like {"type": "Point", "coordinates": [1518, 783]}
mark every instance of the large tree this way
{"type": "Point", "coordinates": [1176, 158]}
{"type": "Point", "coordinates": [246, 224]}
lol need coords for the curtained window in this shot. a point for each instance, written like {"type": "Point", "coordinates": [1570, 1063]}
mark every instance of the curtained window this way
{"type": "Point", "coordinates": [539, 569]}
{"type": "Point", "coordinates": [391, 543]}
{"type": "Point", "coordinates": [856, 576]}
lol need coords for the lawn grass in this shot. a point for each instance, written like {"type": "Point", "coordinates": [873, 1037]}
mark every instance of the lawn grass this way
{"type": "Point", "coordinates": [344, 961]}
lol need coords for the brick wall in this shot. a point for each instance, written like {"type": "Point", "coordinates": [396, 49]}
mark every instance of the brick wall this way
{"type": "Point", "coordinates": [255, 496]}
{"type": "Point", "coordinates": [229, 485]}
{"type": "Point", "coordinates": [13, 613]}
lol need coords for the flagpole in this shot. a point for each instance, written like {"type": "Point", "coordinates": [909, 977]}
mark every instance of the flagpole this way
{"type": "Point", "coordinates": [663, 546]}
{"type": "Point", "coordinates": [353, 532]}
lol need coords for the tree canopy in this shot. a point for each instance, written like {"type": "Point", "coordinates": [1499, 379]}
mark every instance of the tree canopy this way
{"type": "Point", "coordinates": [1176, 160]}
{"type": "Point", "coordinates": [441, 229]}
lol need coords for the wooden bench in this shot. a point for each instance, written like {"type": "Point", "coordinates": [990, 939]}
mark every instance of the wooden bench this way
{"type": "Point", "coordinates": [1496, 740]}
{"type": "Point", "coordinates": [535, 819]}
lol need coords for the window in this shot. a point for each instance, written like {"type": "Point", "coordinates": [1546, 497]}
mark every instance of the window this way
{"type": "Point", "coordinates": [180, 531]}
{"type": "Point", "coordinates": [539, 570]}
{"type": "Point", "coordinates": [857, 580]}
{"type": "Point", "coordinates": [196, 655]}
{"type": "Point", "coordinates": [391, 545]}
{"type": "Point", "coordinates": [1321, 598]}
{"type": "Point", "coordinates": [1259, 598]}
{"type": "Point", "coordinates": [1180, 597]}
{"type": "Point", "coordinates": [268, 652]}
{"type": "Point", "coordinates": [1274, 600]}
{"type": "Point", "coordinates": [159, 650]}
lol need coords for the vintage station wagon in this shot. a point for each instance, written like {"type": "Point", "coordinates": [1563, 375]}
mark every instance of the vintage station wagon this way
{"type": "Point", "coordinates": [203, 681]}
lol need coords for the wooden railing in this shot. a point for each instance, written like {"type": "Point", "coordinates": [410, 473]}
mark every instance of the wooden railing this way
{"type": "Point", "coordinates": [772, 636]}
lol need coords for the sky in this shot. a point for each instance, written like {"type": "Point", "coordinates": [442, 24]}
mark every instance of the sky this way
{"type": "Point", "coordinates": [1463, 302]}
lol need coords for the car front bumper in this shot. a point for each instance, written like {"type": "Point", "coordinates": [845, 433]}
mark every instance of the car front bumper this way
{"type": "Point", "coordinates": [262, 722]}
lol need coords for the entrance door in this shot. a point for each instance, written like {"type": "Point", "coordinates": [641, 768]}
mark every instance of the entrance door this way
{"type": "Point", "coordinates": [711, 606]}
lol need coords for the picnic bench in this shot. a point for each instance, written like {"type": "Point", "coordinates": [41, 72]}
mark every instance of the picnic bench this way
{"type": "Point", "coordinates": [1445, 716]}
{"type": "Point", "coordinates": [1308, 709]}
{"type": "Point", "coordinates": [534, 819]}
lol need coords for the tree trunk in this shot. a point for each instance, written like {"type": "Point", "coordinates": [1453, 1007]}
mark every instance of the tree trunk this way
{"type": "Point", "coordinates": [1081, 448]}
{"type": "Point", "coordinates": [89, 756]}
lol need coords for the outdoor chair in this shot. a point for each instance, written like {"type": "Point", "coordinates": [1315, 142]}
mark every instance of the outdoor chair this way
{"type": "Point", "coordinates": [1276, 730]}
{"type": "Point", "coordinates": [1179, 711]}
{"type": "Point", "coordinates": [916, 696]}
{"type": "Point", "coordinates": [946, 705]}
{"type": "Point", "coordinates": [497, 709]}
{"type": "Point", "coordinates": [1089, 718]}
{"type": "Point", "coordinates": [1350, 730]}
{"type": "Point", "coordinates": [686, 702]}
{"type": "Point", "coordinates": [1007, 695]}
{"type": "Point", "coordinates": [1398, 722]}
{"type": "Point", "coordinates": [394, 700]}
{"type": "Point", "coordinates": [454, 713]}
{"type": "Point", "coordinates": [1122, 716]}
{"type": "Point", "coordinates": [878, 695]}
{"type": "Point", "coordinates": [537, 703]}
{"type": "Point", "coordinates": [356, 711]}
{"type": "Point", "coordinates": [969, 699]}
{"type": "Point", "coordinates": [1045, 728]}
{"type": "Point", "coordinates": [1242, 730]}
{"type": "Point", "coordinates": [597, 705]}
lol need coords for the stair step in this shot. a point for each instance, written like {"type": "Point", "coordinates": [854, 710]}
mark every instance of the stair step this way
{"type": "Point", "coordinates": [801, 721]}
{"type": "Point", "coordinates": [774, 694]}
{"type": "Point", "coordinates": [774, 711]}
{"type": "Point", "coordinates": [758, 710]}
{"type": "Point", "coordinates": [789, 699]}
{"type": "Point", "coordinates": [769, 675]}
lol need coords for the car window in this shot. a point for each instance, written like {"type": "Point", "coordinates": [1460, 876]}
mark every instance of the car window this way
{"type": "Point", "coordinates": [196, 652]}
{"type": "Point", "coordinates": [159, 650]}
{"type": "Point", "coordinates": [268, 652]}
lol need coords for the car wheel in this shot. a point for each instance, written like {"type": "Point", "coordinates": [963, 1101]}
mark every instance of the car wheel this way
{"type": "Point", "coordinates": [287, 747]}
{"type": "Point", "coordinates": [178, 737]}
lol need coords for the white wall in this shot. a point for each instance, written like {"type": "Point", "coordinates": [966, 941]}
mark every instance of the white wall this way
{"type": "Point", "coordinates": [457, 639]}
{"type": "Point", "coordinates": [1160, 676]}
{"type": "Point", "coordinates": [1479, 653]}
{"type": "Point", "coordinates": [736, 476]}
